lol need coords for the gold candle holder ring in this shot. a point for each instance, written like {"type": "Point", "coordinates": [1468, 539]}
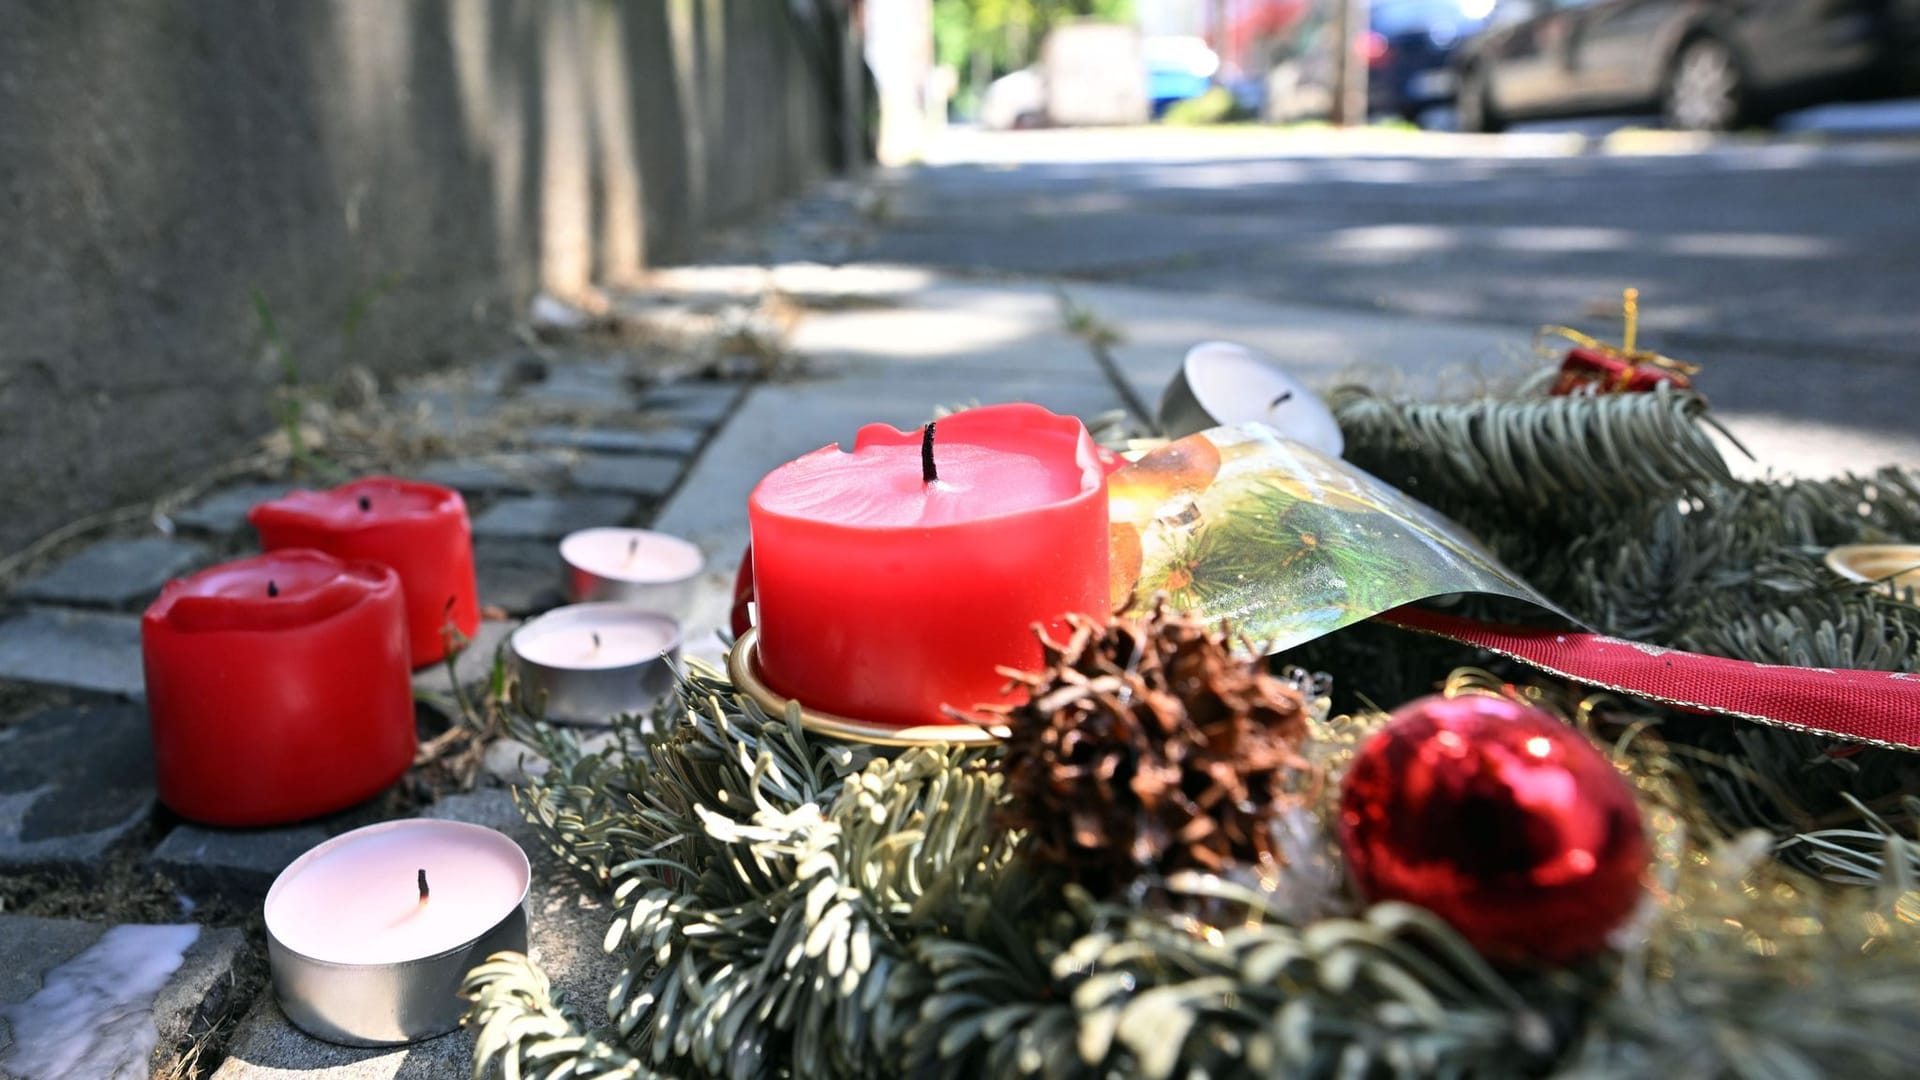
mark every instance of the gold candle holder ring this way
{"type": "Point", "coordinates": [743, 669]}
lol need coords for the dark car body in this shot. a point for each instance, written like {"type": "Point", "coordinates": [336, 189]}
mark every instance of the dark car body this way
{"type": "Point", "coordinates": [1409, 54]}
{"type": "Point", "coordinates": [1565, 58]}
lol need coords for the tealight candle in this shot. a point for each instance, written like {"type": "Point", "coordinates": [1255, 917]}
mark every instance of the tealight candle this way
{"type": "Point", "coordinates": [632, 566]}
{"type": "Point", "coordinates": [370, 934]}
{"type": "Point", "coordinates": [589, 663]}
{"type": "Point", "coordinates": [1221, 384]}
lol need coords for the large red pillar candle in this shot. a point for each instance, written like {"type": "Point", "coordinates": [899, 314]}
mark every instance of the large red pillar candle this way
{"type": "Point", "coordinates": [884, 596]}
{"type": "Point", "coordinates": [278, 687]}
{"type": "Point", "coordinates": [421, 530]}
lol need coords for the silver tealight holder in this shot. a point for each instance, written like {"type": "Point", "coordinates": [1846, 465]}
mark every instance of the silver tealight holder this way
{"type": "Point", "coordinates": [370, 934]}
{"type": "Point", "coordinates": [632, 566]}
{"type": "Point", "coordinates": [588, 663]}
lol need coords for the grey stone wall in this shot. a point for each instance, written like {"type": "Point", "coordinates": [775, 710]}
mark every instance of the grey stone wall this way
{"type": "Point", "coordinates": [394, 177]}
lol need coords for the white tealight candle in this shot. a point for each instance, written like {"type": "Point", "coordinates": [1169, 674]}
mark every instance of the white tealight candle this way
{"type": "Point", "coordinates": [621, 640]}
{"type": "Point", "coordinates": [1222, 384]}
{"type": "Point", "coordinates": [632, 566]}
{"type": "Point", "coordinates": [370, 933]}
{"type": "Point", "coordinates": [588, 663]}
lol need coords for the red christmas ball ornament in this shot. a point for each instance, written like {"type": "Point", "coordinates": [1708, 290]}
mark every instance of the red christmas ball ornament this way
{"type": "Point", "coordinates": [1498, 818]}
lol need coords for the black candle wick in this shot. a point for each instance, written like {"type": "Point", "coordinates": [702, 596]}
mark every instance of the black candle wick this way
{"type": "Point", "coordinates": [423, 883]}
{"type": "Point", "coordinates": [366, 503]}
{"type": "Point", "coordinates": [1281, 400]}
{"type": "Point", "coordinates": [596, 639]}
{"type": "Point", "coordinates": [272, 589]}
{"type": "Point", "coordinates": [633, 545]}
{"type": "Point", "coordinates": [928, 474]}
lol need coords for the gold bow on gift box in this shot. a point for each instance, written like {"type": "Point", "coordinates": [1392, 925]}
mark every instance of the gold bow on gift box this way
{"type": "Point", "coordinates": [1593, 366]}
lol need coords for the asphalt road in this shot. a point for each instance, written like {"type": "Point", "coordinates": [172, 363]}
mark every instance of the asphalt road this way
{"type": "Point", "coordinates": [1789, 265]}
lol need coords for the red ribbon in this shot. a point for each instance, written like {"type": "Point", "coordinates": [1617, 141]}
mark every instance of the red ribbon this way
{"type": "Point", "coordinates": [1879, 708]}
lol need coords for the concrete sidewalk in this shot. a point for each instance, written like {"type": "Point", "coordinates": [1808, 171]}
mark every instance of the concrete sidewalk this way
{"type": "Point", "coordinates": [877, 343]}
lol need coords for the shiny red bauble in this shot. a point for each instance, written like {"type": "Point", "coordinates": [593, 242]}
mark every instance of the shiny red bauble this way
{"type": "Point", "coordinates": [1500, 819]}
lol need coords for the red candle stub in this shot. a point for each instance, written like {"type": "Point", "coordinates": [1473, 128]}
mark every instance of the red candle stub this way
{"type": "Point", "coordinates": [278, 687]}
{"type": "Point", "coordinates": [421, 530]}
{"type": "Point", "coordinates": [885, 596]}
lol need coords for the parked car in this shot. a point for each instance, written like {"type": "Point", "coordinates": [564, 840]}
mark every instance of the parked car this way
{"type": "Point", "coordinates": [1095, 73]}
{"type": "Point", "coordinates": [1408, 48]}
{"type": "Point", "coordinates": [1409, 51]}
{"type": "Point", "coordinates": [1015, 100]}
{"type": "Point", "coordinates": [1089, 73]}
{"type": "Point", "coordinates": [1707, 65]}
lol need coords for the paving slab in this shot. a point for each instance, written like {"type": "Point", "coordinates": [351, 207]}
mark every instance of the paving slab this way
{"type": "Point", "coordinates": [497, 474]}
{"type": "Point", "coordinates": [206, 991]}
{"type": "Point", "coordinates": [224, 512]}
{"type": "Point", "coordinates": [669, 439]}
{"type": "Point", "coordinates": [989, 330]}
{"type": "Point", "coordinates": [550, 517]}
{"type": "Point", "coordinates": [593, 385]}
{"type": "Point", "coordinates": [1393, 353]}
{"type": "Point", "coordinates": [83, 650]}
{"type": "Point", "coordinates": [627, 474]}
{"type": "Point", "coordinates": [88, 1000]}
{"type": "Point", "coordinates": [30, 946]}
{"type": "Point", "coordinates": [518, 576]}
{"type": "Point", "coordinates": [471, 666]}
{"type": "Point", "coordinates": [75, 782]}
{"type": "Point", "coordinates": [567, 922]}
{"type": "Point", "coordinates": [449, 412]}
{"type": "Point", "coordinates": [208, 862]}
{"type": "Point", "coordinates": [506, 373]}
{"type": "Point", "coordinates": [115, 573]}
{"type": "Point", "coordinates": [702, 404]}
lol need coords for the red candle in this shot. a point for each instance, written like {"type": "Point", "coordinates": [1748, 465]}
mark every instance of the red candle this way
{"type": "Point", "coordinates": [884, 595]}
{"type": "Point", "coordinates": [278, 687]}
{"type": "Point", "coordinates": [420, 530]}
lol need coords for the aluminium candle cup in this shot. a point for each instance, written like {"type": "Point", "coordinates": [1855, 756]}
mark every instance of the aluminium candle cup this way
{"type": "Point", "coordinates": [1221, 383]}
{"type": "Point", "coordinates": [1889, 568]}
{"type": "Point", "coordinates": [632, 566]}
{"type": "Point", "coordinates": [389, 1003]}
{"type": "Point", "coordinates": [580, 685]}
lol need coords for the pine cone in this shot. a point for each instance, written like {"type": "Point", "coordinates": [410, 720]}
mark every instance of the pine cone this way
{"type": "Point", "coordinates": [1147, 747]}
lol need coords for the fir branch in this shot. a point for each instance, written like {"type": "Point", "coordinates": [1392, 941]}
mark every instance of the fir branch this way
{"type": "Point", "coordinates": [524, 1028]}
{"type": "Point", "coordinates": [797, 907]}
{"type": "Point", "coordinates": [1584, 456]}
{"type": "Point", "coordinates": [1618, 508]}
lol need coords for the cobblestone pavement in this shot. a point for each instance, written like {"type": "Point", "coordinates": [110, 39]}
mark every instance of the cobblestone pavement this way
{"type": "Point", "coordinates": [541, 442]}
